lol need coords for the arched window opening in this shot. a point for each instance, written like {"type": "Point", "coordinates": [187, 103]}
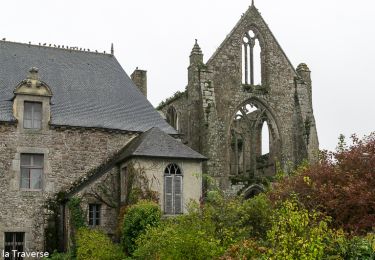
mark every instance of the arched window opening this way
{"type": "Point", "coordinates": [253, 140]}
{"type": "Point", "coordinates": [265, 138]}
{"type": "Point", "coordinates": [173, 190]}
{"type": "Point", "coordinates": [251, 59]}
{"type": "Point", "coordinates": [172, 117]}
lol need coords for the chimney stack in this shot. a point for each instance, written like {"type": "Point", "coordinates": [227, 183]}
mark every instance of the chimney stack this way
{"type": "Point", "coordinates": [139, 78]}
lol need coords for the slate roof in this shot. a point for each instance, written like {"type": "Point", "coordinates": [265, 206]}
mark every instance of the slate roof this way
{"type": "Point", "coordinates": [89, 89]}
{"type": "Point", "coordinates": [156, 143]}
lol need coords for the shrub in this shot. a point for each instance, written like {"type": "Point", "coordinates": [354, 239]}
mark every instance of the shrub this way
{"type": "Point", "coordinates": [207, 230]}
{"type": "Point", "coordinates": [138, 218]}
{"type": "Point", "coordinates": [341, 185]}
{"type": "Point", "coordinates": [93, 244]}
{"type": "Point", "coordinates": [246, 249]}
{"type": "Point", "coordinates": [361, 248]}
{"type": "Point", "coordinates": [233, 219]}
{"type": "Point", "coordinates": [177, 239]}
{"type": "Point", "coordinates": [297, 233]}
{"type": "Point", "coordinates": [61, 256]}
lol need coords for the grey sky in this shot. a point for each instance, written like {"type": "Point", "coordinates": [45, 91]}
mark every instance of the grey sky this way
{"type": "Point", "coordinates": [336, 38]}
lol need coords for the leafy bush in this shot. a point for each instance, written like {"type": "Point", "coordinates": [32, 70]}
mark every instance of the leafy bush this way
{"type": "Point", "coordinates": [93, 244]}
{"type": "Point", "coordinates": [297, 233]}
{"type": "Point", "coordinates": [176, 239]}
{"type": "Point", "coordinates": [61, 256]}
{"type": "Point", "coordinates": [138, 218]}
{"type": "Point", "coordinates": [246, 249]}
{"type": "Point", "coordinates": [361, 248]}
{"type": "Point", "coordinates": [207, 230]}
{"type": "Point", "coordinates": [341, 185]}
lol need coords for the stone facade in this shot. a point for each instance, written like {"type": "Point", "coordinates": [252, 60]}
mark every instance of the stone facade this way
{"type": "Point", "coordinates": [68, 154]}
{"type": "Point", "coordinates": [215, 110]}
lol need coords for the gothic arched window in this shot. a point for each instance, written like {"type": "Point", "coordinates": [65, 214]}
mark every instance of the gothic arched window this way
{"type": "Point", "coordinates": [173, 189]}
{"type": "Point", "coordinates": [172, 118]}
{"type": "Point", "coordinates": [251, 59]}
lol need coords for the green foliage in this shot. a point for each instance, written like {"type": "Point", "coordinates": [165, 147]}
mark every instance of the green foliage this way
{"type": "Point", "coordinates": [297, 233]}
{"type": "Point", "coordinates": [256, 214]}
{"type": "Point", "coordinates": [246, 249]}
{"type": "Point", "coordinates": [93, 244]}
{"type": "Point", "coordinates": [206, 231]}
{"type": "Point", "coordinates": [361, 248]}
{"type": "Point", "coordinates": [177, 239]}
{"type": "Point", "coordinates": [76, 213]}
{"type": "Point", "coordinates": [138, 218]}
{"type": "Point", "coordinates": [169, 100]}
{"type": "Point", "coordinates": [61, 256]}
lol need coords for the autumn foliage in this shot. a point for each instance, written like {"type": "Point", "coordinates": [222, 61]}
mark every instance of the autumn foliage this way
{"type": "Point", "coordinates": [341, 185]}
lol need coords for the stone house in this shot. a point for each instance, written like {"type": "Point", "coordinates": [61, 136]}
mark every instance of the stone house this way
{"type": "Point", "coordinates": [73, 123]}
{"type": "Point", "coordinates": [246, 108]}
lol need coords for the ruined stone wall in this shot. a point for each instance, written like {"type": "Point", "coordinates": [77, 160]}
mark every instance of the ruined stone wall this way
{"type": "Point", "coordinates": [68, 154]}
{"type": "Point", "coordinates": [283, 93]}
{"type": "Point", "coordinates": [181, 106]}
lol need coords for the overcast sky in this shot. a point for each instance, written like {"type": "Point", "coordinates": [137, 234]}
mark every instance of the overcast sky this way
{"type": "Point", "coordinates": [336, 38]}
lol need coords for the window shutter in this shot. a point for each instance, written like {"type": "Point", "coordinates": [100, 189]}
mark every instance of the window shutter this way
{"type": "Point", "coordinates": [177, 194]}
{"type": "Point", "coordinates": [168, 207]}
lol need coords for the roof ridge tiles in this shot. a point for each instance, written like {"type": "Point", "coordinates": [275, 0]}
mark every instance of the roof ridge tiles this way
{"type": "Point", "coordinates": [60, 47]}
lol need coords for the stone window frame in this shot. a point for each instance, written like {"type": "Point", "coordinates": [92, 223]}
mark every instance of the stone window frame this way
{"type": "Point", "coordinates": [32, 106]}
{"type": "Point", "coordinates": [27, 237]}
{"type": "Point", "coordinates": [173, 118]}
{"type": "Point", "coordinates": [14, 244]}
{"type": "Point", "coordinates": [19, 109]}
{"type": "Point", "coordinates": [16, 167]}
{"type": "Point", "coordinates": [173, 195]}
{"type": "Point", "coordinates": [97, 209]}
{"type": "Point", "coordinates": [258, 36]}
{"type": "Point", "coordinates": [30, 167]}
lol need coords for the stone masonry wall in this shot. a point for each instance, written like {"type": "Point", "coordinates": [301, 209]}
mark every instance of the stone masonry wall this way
{"type": "Point", "coordinates": [68, 154]}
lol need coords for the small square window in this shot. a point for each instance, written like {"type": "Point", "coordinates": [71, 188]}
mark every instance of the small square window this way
{"type": "Point", "coordinates": [32, 116]}
{"type": "Point", "coordinates": [31, 171]}
{"type": "Point", "coordinates": [94, 215]}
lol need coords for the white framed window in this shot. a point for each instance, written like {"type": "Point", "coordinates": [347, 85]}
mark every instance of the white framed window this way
{"type": "Point", "coordinates": [32, 171]}
{"type": "Point", "coordinates": [173, 193]}
{"type": "Point", "coordinates": [32, 115]}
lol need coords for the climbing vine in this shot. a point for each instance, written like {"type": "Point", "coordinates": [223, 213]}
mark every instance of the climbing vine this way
{"type": "Point", "coordinates": [76, 213]}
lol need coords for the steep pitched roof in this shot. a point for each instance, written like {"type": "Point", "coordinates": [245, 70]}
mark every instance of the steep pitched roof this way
{"type": "Point", "coordinates": [89, 89]}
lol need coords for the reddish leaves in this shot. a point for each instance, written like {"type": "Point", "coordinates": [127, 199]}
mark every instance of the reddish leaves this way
{"type": "Point", "coordinates": [342, 185]}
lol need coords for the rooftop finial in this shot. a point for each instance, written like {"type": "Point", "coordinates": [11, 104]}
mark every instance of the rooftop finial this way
{"type": "Point", "coordinates": [112, 50]}
{"type": "Point", "coordinates": [33, 73]}
{"type": "Point", "coordinates": [196, 49]}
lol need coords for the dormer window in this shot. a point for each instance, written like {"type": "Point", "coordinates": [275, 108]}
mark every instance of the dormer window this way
{"type": "Point", "coordinates": [32, 116]}
{"type": "Point", "coordinates": [31, 103]}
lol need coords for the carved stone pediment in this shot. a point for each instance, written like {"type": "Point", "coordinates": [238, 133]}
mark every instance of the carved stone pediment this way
{"type": "Point", "coordinates": [32, 85]}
